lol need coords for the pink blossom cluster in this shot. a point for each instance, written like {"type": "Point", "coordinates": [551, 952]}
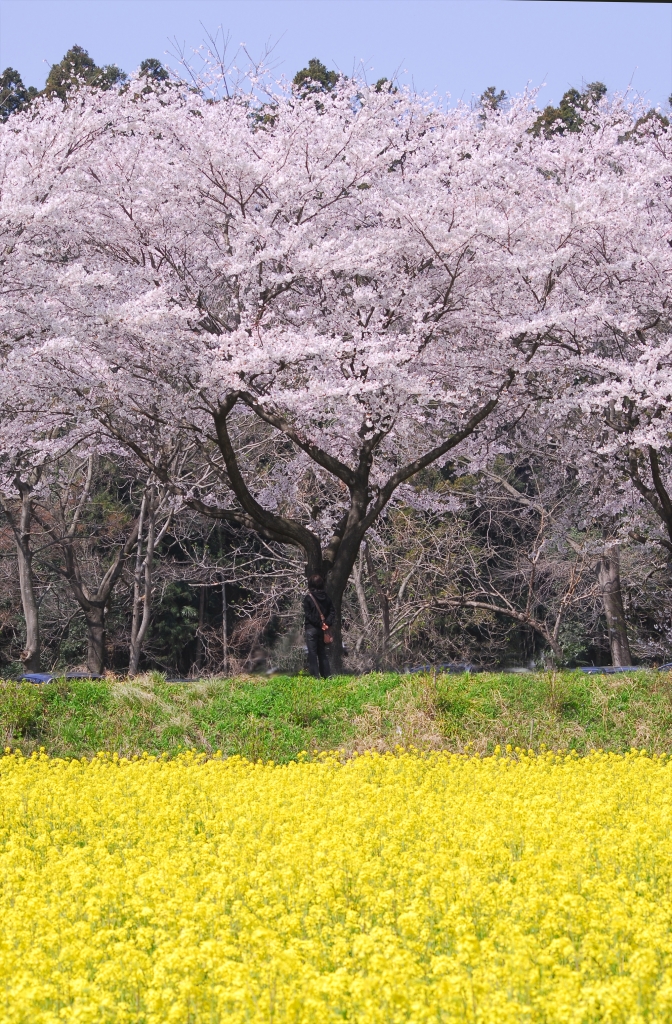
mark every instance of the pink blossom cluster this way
{"type": "Point", "coordinates": [371, 279]}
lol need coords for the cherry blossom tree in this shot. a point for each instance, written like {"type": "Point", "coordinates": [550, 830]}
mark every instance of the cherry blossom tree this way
{"type": "Point", "coordinates": [359, 285]}
{"type": "Point", "coordinates": [36, 151]}
{"type": "Point", "coordinates": [618, 400]}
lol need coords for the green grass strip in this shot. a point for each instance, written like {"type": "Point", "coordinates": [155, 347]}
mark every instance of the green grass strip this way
{"type": "Point", "coordinates": [276, 718]}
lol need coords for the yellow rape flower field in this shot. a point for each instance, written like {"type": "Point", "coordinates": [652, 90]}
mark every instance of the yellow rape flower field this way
{"type": "Point", "coordinates": [384, 888]}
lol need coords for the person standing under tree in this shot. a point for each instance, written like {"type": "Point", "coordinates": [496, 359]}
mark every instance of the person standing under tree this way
{"type": "Point", "coordinates": [319, 614]}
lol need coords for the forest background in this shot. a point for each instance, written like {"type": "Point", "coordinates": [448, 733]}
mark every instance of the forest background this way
{"type": "Point", "coordinates": [541, 535]}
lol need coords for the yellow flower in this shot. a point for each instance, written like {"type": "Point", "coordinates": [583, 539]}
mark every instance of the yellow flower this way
{"type": "Point", "coordinates": [383, 889]}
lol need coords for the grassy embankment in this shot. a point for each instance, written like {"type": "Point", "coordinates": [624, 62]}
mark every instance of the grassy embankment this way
{"type": "Point", "coordinates": [275, 718]}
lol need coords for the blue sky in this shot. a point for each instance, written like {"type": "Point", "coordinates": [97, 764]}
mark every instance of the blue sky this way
{"type": "Point", "coordinates": [453, 46]}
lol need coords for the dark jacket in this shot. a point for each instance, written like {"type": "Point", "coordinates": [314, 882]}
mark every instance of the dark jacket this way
{"type": "Point", "coordinates": [311, 612]}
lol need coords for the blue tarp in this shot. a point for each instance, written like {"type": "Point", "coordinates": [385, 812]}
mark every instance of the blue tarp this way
{"type": "Point", "coordinates": [449, 666]}
{"type": "Point", "coordinates": [608, 670]}
{"type": "Point", "coordinates": [46, 677]}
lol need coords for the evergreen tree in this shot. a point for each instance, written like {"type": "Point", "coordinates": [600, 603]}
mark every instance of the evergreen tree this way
{"type": "Point", "coordinates": [13, 93]}
{"type": "Point", "coordinates": [153, 70]}
{"type": "Point", "coordinates": [154, 76]}
{"type": "Point", "coordinates": [568, 116]}
{"type": "Point", "coordinates": [315, 78]}
{"type": "Point", "coordinates": [78, 68]}
{"type": "Point", "coordinates": [490, 99]}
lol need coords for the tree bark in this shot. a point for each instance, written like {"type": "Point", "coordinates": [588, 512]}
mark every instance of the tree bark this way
{"type": "Point", "coordinates": [134, 650]}
{"type": "Point", "coordinates": [359, 590]}
{"type": "Point", "coordinates": [143, 582]}
{"type": "Point", "coordinates": [95, 627]}
{"type": "Point", "coordinates": [383, 601]}
{"type": "Point", "coordinates": [200, 645]}
{"type": "Point", "coordinates": [30, 656]}
{"type": "Point", "coordinates": [21, 528]}
{"type": "Point", "coordinates": [225, 631]}
{"type": "Point", "coordinates": [609, 577]}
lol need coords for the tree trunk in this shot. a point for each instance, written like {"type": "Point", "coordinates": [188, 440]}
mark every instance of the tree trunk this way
{"type": "Point", "coordinates": [95, 627]}
{"type": "Point", "coordinates": [200, 643]}
{"type": "Point", "coordinates": [30, 656]}
{"type": "Point", "coordinates": [383, 601]}
{"type": "Point", "coordinates": [94, 604]}
{"type": "Point", "coordinates": [142, 596]}
{"type": "Point", "coordinates": [336, 561]}
{"type": "Point", "coordinates": [135, 647]}
{"type": "Point", "coordinates": [336, 652]}
{"type": "Point", "coordinates": [657, 496]}
{"type": "Point", "coordinates": [225, 633]}
{"type": "Point", "coordinates": [359, 590]}
{"type": "Point", "coordinates": [609, 577]}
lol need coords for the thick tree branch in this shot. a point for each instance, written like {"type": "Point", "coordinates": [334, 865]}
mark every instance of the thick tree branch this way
{"type": "Point", "coordinates": [317, 454]}
{"type": "Point", "coordinates": [280, 528]}
{"type": "Point", "coordinates": [663, 496]}
{"type": "Point", "coordinates": [648, 493]}
{"type": "Point", "coordinates": [331, 550]}
{"type": "Point", "coordinates": [522, 617]}
{"type": "Point", "coordinates": [411, 468]}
